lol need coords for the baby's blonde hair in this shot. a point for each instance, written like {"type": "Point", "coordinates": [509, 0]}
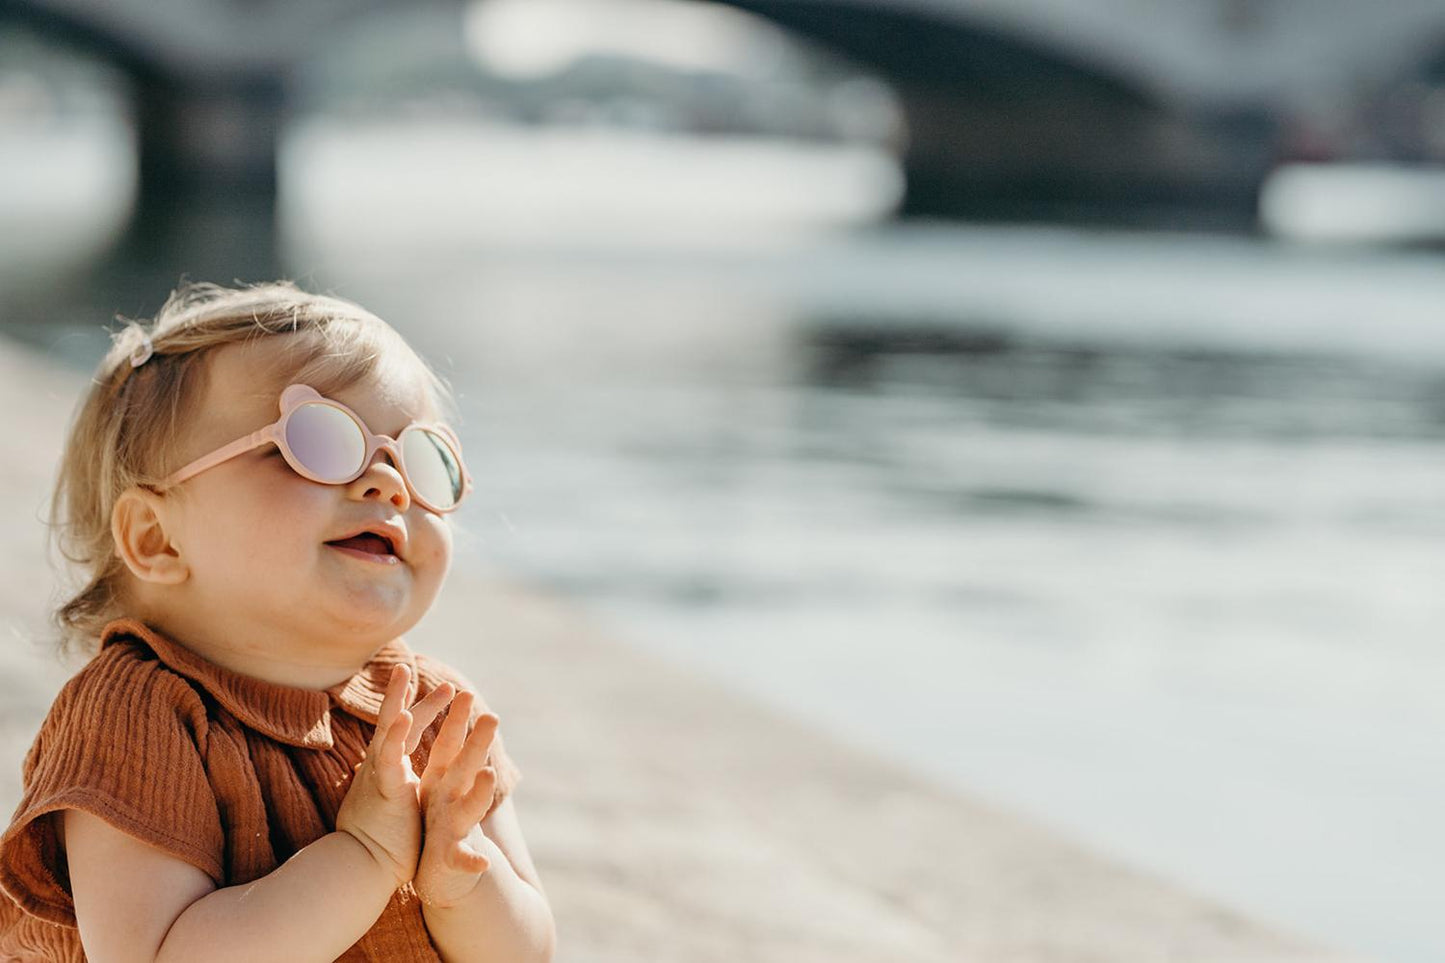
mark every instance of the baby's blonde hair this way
{"type": "Point", "coordinates": [126, 427]}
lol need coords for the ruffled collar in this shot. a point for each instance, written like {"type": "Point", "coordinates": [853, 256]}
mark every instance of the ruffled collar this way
{"type": "Point", "coordinates": [298, 717]}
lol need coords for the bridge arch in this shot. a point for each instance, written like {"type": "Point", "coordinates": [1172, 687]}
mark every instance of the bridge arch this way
{"type": "Point", "coordinates": [1000, 124]}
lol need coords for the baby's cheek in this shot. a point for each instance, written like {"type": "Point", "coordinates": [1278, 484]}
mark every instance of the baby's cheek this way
{"type": "Point", "coordinates": [436, 548]}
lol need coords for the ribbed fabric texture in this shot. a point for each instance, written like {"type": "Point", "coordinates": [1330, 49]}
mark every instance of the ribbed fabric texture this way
{"type": "Point", "coordinates": [229, 773]}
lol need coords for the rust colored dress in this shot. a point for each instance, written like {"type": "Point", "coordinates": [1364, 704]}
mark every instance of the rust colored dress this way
{"type": "Point", "coordinates": [229, 773]}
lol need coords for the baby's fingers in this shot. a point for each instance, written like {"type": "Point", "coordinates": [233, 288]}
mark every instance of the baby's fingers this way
{"type": "Point", "coordinates": [397, 688]}
{"type": "Point", "coordinates": [473, 755]}
{"type": "Point", "coordinates": [425, 711]}
{"type": "Point", "coordinates": [449, 740]}
{"type": "Point", "coordinates": [391, 763]}
{"type": "Point", "coordinates": [472, 758]}
{"type": "Point", "coordinates": [474, 805]}
{"type": "Point", "coordinates": [457, 817]}
{"type": "Point", "coordinates": [468, 860]}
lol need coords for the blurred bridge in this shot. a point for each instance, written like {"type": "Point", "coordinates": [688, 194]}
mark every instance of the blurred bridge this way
{"type": "Point", "coordinates": [1114, 109]}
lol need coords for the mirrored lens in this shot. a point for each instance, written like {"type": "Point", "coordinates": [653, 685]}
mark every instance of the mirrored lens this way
{"type": "Point", "coordinates": [326, 441]}
{"type": "Point", "coordinates": [432, 467]}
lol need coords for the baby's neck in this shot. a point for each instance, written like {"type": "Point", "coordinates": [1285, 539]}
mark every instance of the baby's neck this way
{"type": "Point", "coordinates": [270, 654]}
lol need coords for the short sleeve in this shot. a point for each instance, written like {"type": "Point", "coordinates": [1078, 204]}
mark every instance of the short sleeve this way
{"type": "Point", "coordinates": [124, 741]}
{"type": "Point", "coordinates": [433, 673]}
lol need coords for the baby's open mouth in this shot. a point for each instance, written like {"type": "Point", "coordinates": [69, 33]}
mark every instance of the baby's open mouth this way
{"type": "Point", "coordinates": [368, 542]}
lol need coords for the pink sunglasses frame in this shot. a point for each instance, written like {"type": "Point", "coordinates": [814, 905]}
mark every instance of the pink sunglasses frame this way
{"type": "Point", "coordinates": [293, 398]}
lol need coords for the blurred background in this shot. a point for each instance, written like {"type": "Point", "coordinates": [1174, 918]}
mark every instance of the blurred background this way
{"type": "Point", "coordinates": [1063, 382]}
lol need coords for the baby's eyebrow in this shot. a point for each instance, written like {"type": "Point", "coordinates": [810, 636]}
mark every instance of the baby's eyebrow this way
{"type": "Point", "coordinates": [423, 419]}
{"type": "Point", "coordinates": [405, 425]}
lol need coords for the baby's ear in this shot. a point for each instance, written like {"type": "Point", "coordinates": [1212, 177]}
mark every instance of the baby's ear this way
{"type": "Point", "coordinates": [137, 524]}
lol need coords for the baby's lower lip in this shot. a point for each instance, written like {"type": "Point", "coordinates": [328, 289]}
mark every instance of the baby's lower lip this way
{"type": "Point", "coordinates": [369, 556]}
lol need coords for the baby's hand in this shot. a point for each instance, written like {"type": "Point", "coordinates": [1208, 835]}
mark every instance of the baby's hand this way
{"type": "Point", "coordinates": [456, 791]}
{"type": "Point", "coordinates": [381, 807]}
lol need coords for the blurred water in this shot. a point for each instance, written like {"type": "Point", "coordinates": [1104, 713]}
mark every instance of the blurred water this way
{"type": "Point", "coordinates": [1136, 534]}
{"type": "Point", "coordinates": [1177, 599]}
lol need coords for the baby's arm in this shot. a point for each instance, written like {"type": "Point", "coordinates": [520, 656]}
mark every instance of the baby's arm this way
{"type": "Point", "coordinates": [481, 897]}
{"type": "Point", "coordinates": [506, 916]}
{"type": "Point", "coordinates": [134, 902]}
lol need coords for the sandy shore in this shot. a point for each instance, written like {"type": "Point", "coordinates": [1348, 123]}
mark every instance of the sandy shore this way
{"type": "Point", "coordinates": [675, 820]}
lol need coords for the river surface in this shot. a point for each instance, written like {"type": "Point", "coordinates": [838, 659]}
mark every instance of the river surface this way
{"type": "Point", "coordinates": [1138, 534]}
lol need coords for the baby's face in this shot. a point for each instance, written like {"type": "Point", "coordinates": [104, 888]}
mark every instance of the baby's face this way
{"type": "Point", "coordinates": [254, 533]}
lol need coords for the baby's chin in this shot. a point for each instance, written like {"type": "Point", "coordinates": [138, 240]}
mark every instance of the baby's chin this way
{"type": "Point", "coordinates": [369, 623]}
{"type": "Point", "coordinates": [362, 623]}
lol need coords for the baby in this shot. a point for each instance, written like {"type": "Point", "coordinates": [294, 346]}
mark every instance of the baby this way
{"type": "Point", "coordinates": [254, 765]}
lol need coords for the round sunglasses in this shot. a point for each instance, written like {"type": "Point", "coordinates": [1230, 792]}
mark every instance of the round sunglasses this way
{"type": "Point", "coordinates": [327, 442]}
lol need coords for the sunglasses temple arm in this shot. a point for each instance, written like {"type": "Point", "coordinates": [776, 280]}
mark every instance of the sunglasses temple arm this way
{"type": "Point", "coordinates": [238, 447]}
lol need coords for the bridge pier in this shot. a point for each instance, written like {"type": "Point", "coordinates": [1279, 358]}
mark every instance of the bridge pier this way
{"type": "Point", "coordinates": [207, 186]}
{"type": "Point", "coordinates": [1062, 154]}
{"type": "Point", "coordinates": [205, 202]}
{"type": "Point", "coordinates": [1001, 126]}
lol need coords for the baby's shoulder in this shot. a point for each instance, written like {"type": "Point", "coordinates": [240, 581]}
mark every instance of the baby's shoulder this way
{"type": "Point", "coordinates": [432, 672]}
{"type": "Point", "coordinates": [125, 665]}
{"type": "Point", "coordinates": [125, 739]}
{"type": "Point", "coordinates": [125, 685]}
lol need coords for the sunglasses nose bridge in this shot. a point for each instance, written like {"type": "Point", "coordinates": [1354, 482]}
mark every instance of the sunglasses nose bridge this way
{"type": "Point", "coordinates": [388, 444]}
{"type": "Point", "coordinates": [393, 448]}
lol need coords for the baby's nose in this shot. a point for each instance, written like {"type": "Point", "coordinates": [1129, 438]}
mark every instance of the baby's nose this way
{"type": "Point", "coordinates": [383, 479]}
